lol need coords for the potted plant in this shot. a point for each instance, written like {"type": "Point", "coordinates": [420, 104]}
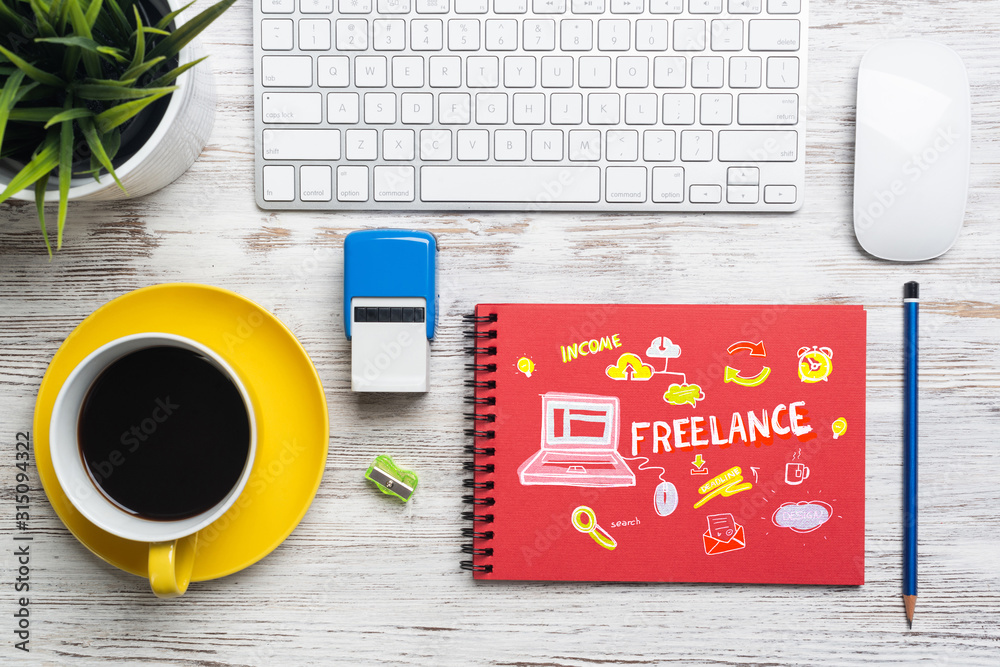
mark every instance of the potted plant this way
{"type": "Point", "coordinates": [99, 99]}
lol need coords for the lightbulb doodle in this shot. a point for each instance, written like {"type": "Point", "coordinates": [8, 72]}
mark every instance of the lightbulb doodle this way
{"type": "Point", "coordinates": [526, 366]}
{"type": "Point", "coordinates": [839, 427]}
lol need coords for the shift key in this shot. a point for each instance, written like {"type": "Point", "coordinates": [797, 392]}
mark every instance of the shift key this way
{"type": "Point", "coordinates": [292, 107]}
{"type": "Point", "coordinates": [758, 145]}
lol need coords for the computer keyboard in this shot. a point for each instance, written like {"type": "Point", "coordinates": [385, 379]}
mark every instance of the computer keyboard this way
{"type": "Point", "coordinates": [604, 105]}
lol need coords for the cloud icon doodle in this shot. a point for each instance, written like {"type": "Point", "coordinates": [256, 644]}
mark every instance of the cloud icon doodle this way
{"type": "Point", "coordinates": [802, 517]}
{"type": "Point", "coordinates": [629, 367]}
{"type": "Point", "coordinates": [663, 348]}
{"type": "Point", "coordinates": [679, 394]}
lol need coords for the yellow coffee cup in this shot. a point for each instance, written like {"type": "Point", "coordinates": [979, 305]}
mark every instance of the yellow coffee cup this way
{"type": "Point", "coordinates": [173, 544]}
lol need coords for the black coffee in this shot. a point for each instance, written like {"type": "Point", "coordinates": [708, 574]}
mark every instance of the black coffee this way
{"type": "Point", "coordinates": [164, 433]}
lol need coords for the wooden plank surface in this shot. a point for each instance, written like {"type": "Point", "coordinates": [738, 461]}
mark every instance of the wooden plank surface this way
{"type": "Point", "coordinates": [363, 581]}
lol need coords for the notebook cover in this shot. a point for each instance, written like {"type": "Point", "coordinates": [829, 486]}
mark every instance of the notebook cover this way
{"type": "Point", "coordinates": [773, 496]}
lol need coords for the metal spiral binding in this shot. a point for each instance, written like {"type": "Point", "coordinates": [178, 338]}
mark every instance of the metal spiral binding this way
{"type": "Point", "coordinates": [479, 431]}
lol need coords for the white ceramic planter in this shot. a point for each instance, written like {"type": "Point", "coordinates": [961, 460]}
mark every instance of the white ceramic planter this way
{"type": "Point", "coordinates": [171, 149]}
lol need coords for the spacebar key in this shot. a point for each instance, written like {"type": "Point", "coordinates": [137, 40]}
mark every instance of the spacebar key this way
{"type": "Point", "coordinates": [489, 183]}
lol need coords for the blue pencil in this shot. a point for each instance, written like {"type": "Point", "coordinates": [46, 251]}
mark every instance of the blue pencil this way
{"type": "Point", "coordinates": [911, 301]}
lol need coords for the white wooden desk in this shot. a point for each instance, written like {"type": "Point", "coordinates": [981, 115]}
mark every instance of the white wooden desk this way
{"type": "Point", "coordinates": [362, 581]}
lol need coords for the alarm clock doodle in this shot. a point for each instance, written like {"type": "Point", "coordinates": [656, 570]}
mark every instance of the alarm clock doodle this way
{"type": "Point", "coordinates": [815, 364]}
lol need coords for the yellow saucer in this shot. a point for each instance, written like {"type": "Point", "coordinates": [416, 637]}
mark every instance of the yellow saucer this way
{"type": "Point", "coordinates": [292, 422]}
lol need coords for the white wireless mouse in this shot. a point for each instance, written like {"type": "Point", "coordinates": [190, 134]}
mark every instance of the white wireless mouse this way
{"type": "Point", "coordinates": [665, 498]}
{"type": "Point", "coordinates": [911, 163]}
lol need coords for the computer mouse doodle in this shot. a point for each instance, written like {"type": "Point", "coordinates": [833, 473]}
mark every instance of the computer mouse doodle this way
{"type": "Point", "coordinates": [665, 498]}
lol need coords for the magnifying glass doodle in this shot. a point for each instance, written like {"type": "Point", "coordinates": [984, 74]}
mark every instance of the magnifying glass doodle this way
{"type": "Point", "coordinates": [585, 521]}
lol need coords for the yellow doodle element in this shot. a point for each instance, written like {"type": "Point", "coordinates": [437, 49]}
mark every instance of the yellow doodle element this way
{"type": "Point", "coordinates": [839, 427]}
{"type": "Point", "coordinates": [815, 364]}
{"type": "Point", "coordinates": [733, 375]}
{"type": "Point", "coordinates": [727, 484]}
{"type": "Point", "coordinates": [590, 526]}
{"type": "Point", "coordinates": [629, 367]}
{"type": "Point", "coordinates": [698, 461]}
{"type": "Point", "coordinates": [679, 394]}
{"type": "Point", "coordinates": [526, 366]}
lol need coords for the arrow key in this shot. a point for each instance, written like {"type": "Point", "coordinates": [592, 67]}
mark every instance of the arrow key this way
{"type": "Point", "coordinates": [742, 194]}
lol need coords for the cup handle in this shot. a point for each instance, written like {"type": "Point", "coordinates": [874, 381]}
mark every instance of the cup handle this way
{"type": "Point", "coordinates": [170, 566]}
{"type": "Point", "coordinates": [805, 476]}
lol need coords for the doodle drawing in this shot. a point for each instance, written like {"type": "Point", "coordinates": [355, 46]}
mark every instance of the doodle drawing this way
{"type": "Point", "coordinates": [723, 535]}
{"type": "Point", "coordinates": [804, 516]}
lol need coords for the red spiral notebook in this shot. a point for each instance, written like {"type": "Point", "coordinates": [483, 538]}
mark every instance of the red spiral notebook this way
{"type": "Point", "coordinates": [668, 443]}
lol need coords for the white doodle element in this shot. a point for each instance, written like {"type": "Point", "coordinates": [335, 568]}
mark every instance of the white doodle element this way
{"type": "Point", "coordinates": [804, 516]}
{"type": "Point", "coordinates": [754, 471]}
{"type": "Point", "coordinates": [663, 348]}
{"type": "Point", "coordinates": [796, 473]}
{"type": "Point", "coordinates": [665, 499]}
{"type": "Point", "coordinates": [579, 444]}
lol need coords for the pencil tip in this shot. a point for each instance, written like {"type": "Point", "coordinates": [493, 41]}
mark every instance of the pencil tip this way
{"type": "Point", "coordinates": [910, 602]}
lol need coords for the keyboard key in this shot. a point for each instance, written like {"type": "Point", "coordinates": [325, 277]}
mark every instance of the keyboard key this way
{"type": "Point", "coordinates": [417, 108]}
{"type": "Point", "coordinates": [380, 108]}
{"type": "Point", "coordinates": [758, 145]}
{"type": "Point", "coordinates": [587, 6]}
{"type": "Point", "coordinates": [529, 108]}
{"type": "Point", "coordinates": [519, 71]}
{"type": "Point", "coordinates": [576, 35]}
{"type": "Point", "coordinates": [696, 146]}
{"type": "Point", "coordinates": [546, 145]}
{"type": "Point", "coordinates": [501, 35]}
{"type": "Point", "coordinates": [742, 194]}
{"type": "Point", "coordinates": [625, 184]}
{"type": "Point", "coordinates": [539, 35]}
{"type": "Point", "coordinates": [510, 6]}
{"type": "Point", "coordinates": [473, 145]}
{"type": "Point", "coordinates": [774, 35]}
{"type": "Point", "coordinates": [640, 109]}
{"type": "Point", "coordinates": [548, 6]}
{"type": "Point", "coordinates": [669, 72]}
{"type": "Point", "coordinates": [482, 72]}
{"type": "Point", "coordinates": [768, 109]}
{"type": "Point", "coordinates": [393, 6]}
{"type": "Point", "coordinates": [301, 144]}
{"type": "Point", "coordinates": [279, 183]}
{"type": "Point", "coordinates": [352, 183]}
{"type": "Point", "coordinates": [435, 144]}
{"type": "Point", "coordinates": [342, 108]}
{"type": "Point", "coordinates": [407, 71]}
{"type": "Point", "coordinates": [394, 183]}
{"type": "Point", "coordinates": [613, 34]}
{"type": "Point", "coordinates": [389, 34]}
{"type": "Point", "coordinates": [292, 107]}
{"type": "Point", "coordinates": [509, 145]}
{"type": "Point", "coordinates": [286, 71]}
{"type": "Point", "coordinates": [427, 35]}
{"type": "Point", "coordinates": [658, 146]}
{"type": "Point", "coordinates": [491, 108]}
{"type": "Point", "coordinates": [513, 184]}
{"type": "Point", "coordinates": [706, 194]}
{"type": "Point", "coordinates": [316, 183]}
{"type": "Point", "coordinates": [784, 6]}
{"type": "Point", "coordinates": [463, 34]}
{"type": "Point", "coordinates": [744, 6]}
{"type": "Point", "coordinates": [678, 109]}
{"type": "Point", "coordinates": [727, 35]}
{"type": "Point", "coordinates": [744, 72]}
{"type": "Point", "coordinates": [595, 72]}
{"type": "Point", "coordinates": [666, 6]}
{"type": "Point", "coordinates": [743, 176]}
{"type": "Point", "coordinates": [623, 145]}
{"type": "Point", "coordinates": [651, 35]}
{"type": "Point", "coordinates": [584, 145]}
{"type": "Point", "coordinates": [689, 35]}
{"type": "Point", "coordinates": [362, 144]}
{"type": "Point", "coordinates": [668, 185]}
{"type": "Point", "coordinates": [397, 145]}
{"type": "Point", "coordinates": [352, 34]}
{"type": "Point", "coordinates": [334, 71]}
{"type": "Point", "coordinates": [433, 6]}
{"type": "Point", "coordinates": [557, 72]}
{"type": "Point", "coordinates": [370, 72]}
{"type": "Point", "coordinates": [277, 6]}
{"type": "Point", "coordinates": [355, 6]}
{"type": "Point", "coordinates": [782, 72]}
{"type": "Point", "coordinates": [716, 109]}
{"type": "Point", "coordinates": [708, 72]}
{"type": "Point", "coordinates": [632, 72]}
{"type": "Point", "coordinates": [471, 6]}
{"type": "Point", "coordinates": [276, 34]}
{"type": "Point", "coordinates": [314, 34]}
{"type": "Point", "coordinates": [705, 6]}
{"type": "Point", "coordinates": [454, 108]}
{"type": "Point", "coordinates": [567, 109]}
{"type": "Point", "coordinates": [603, 109]}
{"type": "Point", "coordinates": [779, 194]}
{"type": "Point", "coordinates": [626, 6]}
{"type": "Point", "coordinates": [445, 71]}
